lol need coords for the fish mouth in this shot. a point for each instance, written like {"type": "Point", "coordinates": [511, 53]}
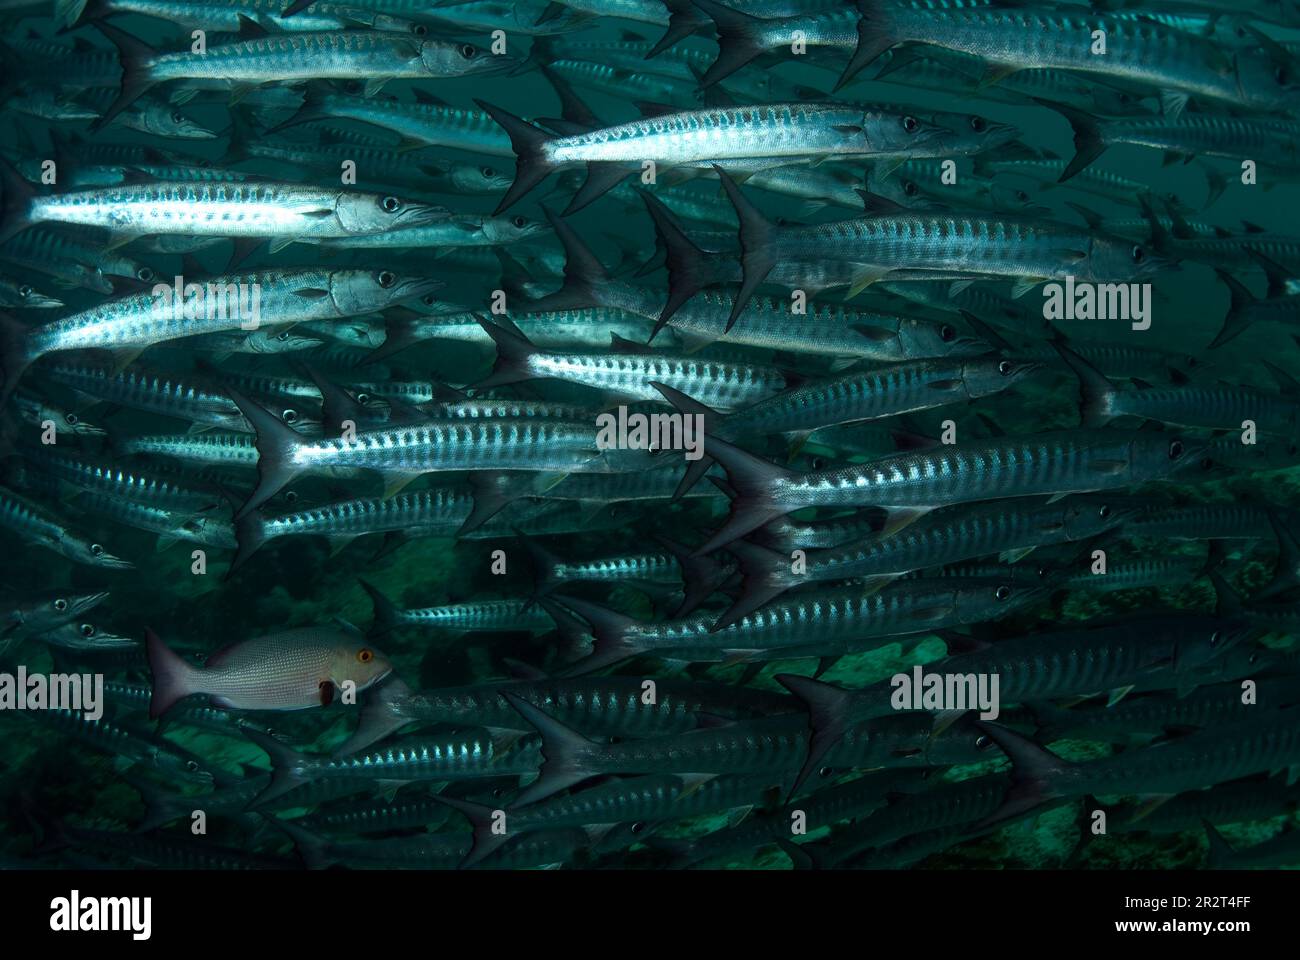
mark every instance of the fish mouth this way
{"type": "Point", "coordinates": [113, 563]}
{"type": "Point", "coordinates": [421, 215]}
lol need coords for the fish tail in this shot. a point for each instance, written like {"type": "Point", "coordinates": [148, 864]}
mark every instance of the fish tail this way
{"type": "Point", "coordinates": [250, 535]}
{"type": "Point", "coordinates": [173, 678]}
{"type": "Point", "coordinates": [700, 576]}
{"type": "Point", "coordinates": [386, 616]}
{"type": "Point", "coordinates": [160, 806]}
{"type": "Point", "coordinates": [828, 708]}
{"type": "Point", "coordinates": [752, 504]}
{"type": "Point", "coordinates": [584, 274]}
{"type": "Point", "coordinates": [134, 56]}
{"type": "Point", "coordinates": [15, 213]}
{"type": "Point", "coordinates": [683, 20]}
{"type": "Point", "coordinates": [276, 442]}
{"type": "Point", "coordinates": [529, 143]}
{"type": "Point", "coordinates": [513, 353]}
{"type": "Point", "coordinates": [284, 759]}
{"type": "Point", "coordinates": [1088, 142]}
{"type": "Point", "coordinates": [875, 36]}
{"type": "Point", "coordinates": [313, 108]}
{"type": "Point", "coordinates": [611, 642]}
{"type": "Point", "coordinates": [1220, 853]}
{"type": "Point", "coordinates": [483, 819]}
{"type": "Point", "coordinates": [71, 14]}
{"type": "Point", "coordinates": [312, 847]}
{"type": "Point", "coordinates": [764, 579]}
{"type": "Point", "coordinates": [399, 334]}
{"type": "Point", "coordinates": [738, 40]}
{"type": "Point", "coordinates": [683, 259]}
{"type": "Point", "coordinates": [378, 717]}
{"type": "Point", "coordinates": [1095, 390]}
{"type": "Point", "coordinates": [756, 234]}
{"type": "Point", "coordinates": [1033, 769]}
{"type": "Point", "coordinates": [1238, 317]}
{"type": "Point", "coordinates": [567, 756]}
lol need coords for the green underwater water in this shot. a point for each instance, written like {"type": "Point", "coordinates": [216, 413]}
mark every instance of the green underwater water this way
{"type": "Point", "coordinates": [47, 778]}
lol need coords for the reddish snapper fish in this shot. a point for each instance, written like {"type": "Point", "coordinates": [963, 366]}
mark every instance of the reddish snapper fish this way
{"type": "Point", "coordinates": [293, 670]}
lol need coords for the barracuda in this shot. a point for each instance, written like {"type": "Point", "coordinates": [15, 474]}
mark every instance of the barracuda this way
{"type": "Point", "coordinates": [230, 15]}
{"type": "Point", "coordinates": [295, 57]}
{"type": "Point", "coordinates": [218, 209]}
{"type": "Point", "coordinates": [1274, 143]}
{"type": "Point", "coordinates": [33, 525]}
{"type": "Point", "coordinates": [427, 123]}
{"type": "Point", "coordinates": [102, 477]}
{"type": "Point", "coordinates": [826, 623]}
{"type": "Point", "coordinates": [949, 536]}
{"type": "Point", "coordinates": [971, 245]}
{"type": "Point", "coordinates": [459, 230]}
{"type": "Point", "coordinates": [1015, 39]}
{"type": "Point", "coordinates": [1203, 758]}
{"type": "Point", "coordinates": [403, 453]}
{"type": "Point", "coordinates": [225, 303]}
{"type": "Point", "coordinates": [772, 745]}
{"type": "Point", "coordinates": [914, 483]}
{"type": "Point", "coordinates": [763, 132]}
{"type": "Point", "coordinates": [631, 375]}
{"type": "Point", "coordinates": [1165, 652]}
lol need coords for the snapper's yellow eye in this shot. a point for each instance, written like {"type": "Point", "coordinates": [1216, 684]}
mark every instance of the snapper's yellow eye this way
{"type": "Point", "coordinates": [365, 654]}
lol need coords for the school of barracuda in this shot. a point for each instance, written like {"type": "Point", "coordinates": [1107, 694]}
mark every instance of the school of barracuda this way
{"type": "Point", "coordinates": [312, 319]}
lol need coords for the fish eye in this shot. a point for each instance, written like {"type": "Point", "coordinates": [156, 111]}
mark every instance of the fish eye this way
{"type": "Point", "coordinates": [144, 273]}
{"type": "Point", "coordinates": [910, 188]}
{"type": "Point", "coordinates": [96, 549]}
{"type": "Point", "coordinates": [87, 630]}
{"type": "Point", "coordinates": [428, 299]}
{"type": "Point", "coordinates": [910, 124]}
{"type": "Point", "coordinates": [1041, 572]}
{"type": "Point", "coordinates": [363, 398]}
{"type": "Point", "coordinates": [638, 827]}
{"type": "Point", "coordinates": [1022, 196]}
{"type": "Point", "coordinates": [71, 419]}
{"type": "Point", "coordinates": [467, 51]}
{"type": "Point", "coordinates": [1104, 512]}
{"type": "Point", "coordinates": [419, 29]}
{"type": "Point", "coordinates": [982, 742]}
{"type": "Point", "coordinates": [283, 337]}
{"type": "Point", "coordinates": [818, 463]}
{"type": "Point", "coordinates": [977, 124]}
{"type": "Point", "coordinates": [946, 333]}
{"type": "Point", "coordinates": [291, 496]}
{"type": "Point", "coordinates": [1005, 368]}
{"type": "Point", "coordinates": [1253, 658]}
{"type": "Point", "coordinates": [390, 204]}
{"type": "Point", "coordinates": [1280, 75]}
{"type": "Point", "coordinates": [60, 604]}
{"type": "Point", "coordinates": [289, 416]}
{"type": "Point", "coordinates": [24, 291]}
{"type": "Point", "coordinates": [192, 766]}
{"type": "Point", "coordinates": [1214, 638]}
{"type": "Point", "coordinates": [178, 118]}
{"type": "Point", "coordinates": [488, 172]}
{"type": "Point", "coordinates": [365, 655]}
{"type": "Point", "coordinates": [1175, 449]}
{"type": "Point", "coordinates": [520, 222]}
{"type": "Point", "coordinates": [386, 278]}
{"type": "Point", "coordinates": [1138, 254]}
{"type": "Point", "coordinates": [1003, 592]}
{"type": "Point", "coordinates": [824, 772]}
